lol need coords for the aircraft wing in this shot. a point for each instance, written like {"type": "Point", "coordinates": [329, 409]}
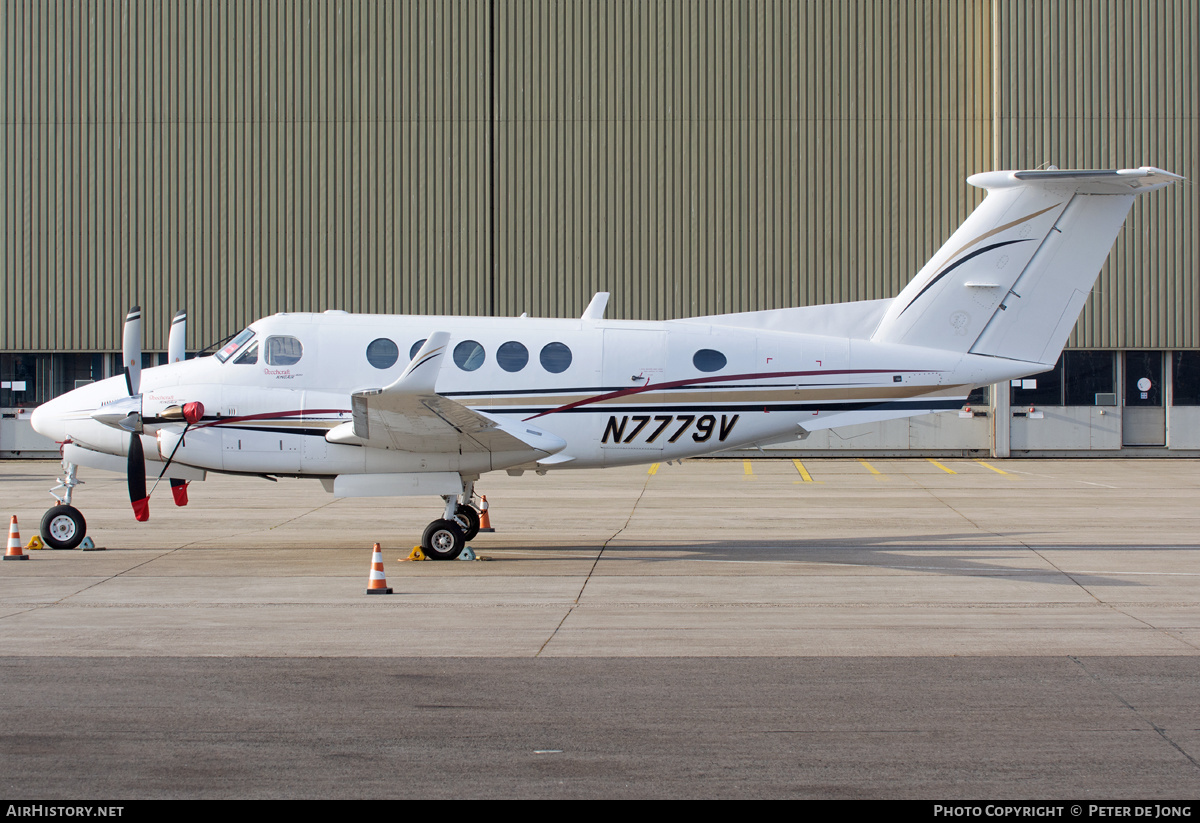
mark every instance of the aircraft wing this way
{"type": "Point", "coordinates": [409, 415]}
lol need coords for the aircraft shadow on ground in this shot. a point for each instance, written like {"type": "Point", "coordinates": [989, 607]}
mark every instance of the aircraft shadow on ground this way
{"type": "Point", "coordinates": [943, 554]}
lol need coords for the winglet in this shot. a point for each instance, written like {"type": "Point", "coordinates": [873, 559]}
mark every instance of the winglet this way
{"type": "Point", "coordinates": [595, 309]}
{"type": "Point", "coordinates": [421, 375]}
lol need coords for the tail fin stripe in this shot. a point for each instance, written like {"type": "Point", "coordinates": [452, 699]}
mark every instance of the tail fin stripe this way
{"type": "Point", "coordinates": [958, 263]}
{"type": "Point", "coordinates": [1072, 219]}
{"type": "Point", "coordinates": [1005, 227]}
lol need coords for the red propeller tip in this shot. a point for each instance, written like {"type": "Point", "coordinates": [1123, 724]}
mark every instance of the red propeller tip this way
{"type": "Point", "coordinates": [141, 509]}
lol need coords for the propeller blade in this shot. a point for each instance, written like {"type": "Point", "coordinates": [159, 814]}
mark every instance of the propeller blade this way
{"type": "Point", "coordinates": [131, 350]}
{"type": "Point", "coordinates": [177, 340]}
{"type": "Point", "coordinates": [192, 413]}
{"type": "Point", "coordinates": [135, 473]}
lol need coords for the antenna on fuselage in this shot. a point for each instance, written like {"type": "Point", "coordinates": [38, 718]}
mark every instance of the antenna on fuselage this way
{"type": "Point", "coordinates": [595, 309]}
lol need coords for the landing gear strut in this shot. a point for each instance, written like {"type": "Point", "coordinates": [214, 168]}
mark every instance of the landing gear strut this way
{"type": "Point", "coordinates": [445, 539]}
{"type": "Point", "coordinates": [467, 519]}
{"type": "Point", "coordinates": [63, 526]}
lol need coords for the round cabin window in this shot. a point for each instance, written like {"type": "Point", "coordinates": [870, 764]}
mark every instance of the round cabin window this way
{"type": "Point", "coordinates": [555, 357]}
{"type": "Point", "coordinates": [512, 356]}
{"type": "Point", "coordinates": [383, 353]}
{"type": "Point", "coordinates": [468, 355]}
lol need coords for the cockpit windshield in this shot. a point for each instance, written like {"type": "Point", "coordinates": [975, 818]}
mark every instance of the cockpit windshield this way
{"type": "Point", "coordinates": [234, 344]}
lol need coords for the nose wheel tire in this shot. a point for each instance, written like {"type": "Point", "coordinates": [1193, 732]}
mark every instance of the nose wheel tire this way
{"type": "Point", "coordinates": [443, 540]}
{"type": "Point", "coordinates": [63, 527]}
{"type": "Point", "coordinates": [468, 520]}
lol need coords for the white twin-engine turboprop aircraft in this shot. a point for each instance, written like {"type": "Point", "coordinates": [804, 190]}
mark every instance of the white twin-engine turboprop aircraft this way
{"type": "Point", "coordinates": [385, 405]}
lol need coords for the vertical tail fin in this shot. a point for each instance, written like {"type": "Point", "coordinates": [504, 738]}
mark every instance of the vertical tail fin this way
{"type": "Point", "coordinates": [1012, 280]}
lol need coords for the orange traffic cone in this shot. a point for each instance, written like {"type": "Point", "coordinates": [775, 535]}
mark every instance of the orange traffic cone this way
{"type": "Point", "coordinates": [15, 552]}
{"type": "Point", "coordinates": [485, 522]}
{"type": "Point", "coordinates": [376, 584]}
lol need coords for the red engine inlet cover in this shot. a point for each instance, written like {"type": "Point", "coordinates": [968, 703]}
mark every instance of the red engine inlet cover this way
{"type": "Point", "coordinates": [193, 412]}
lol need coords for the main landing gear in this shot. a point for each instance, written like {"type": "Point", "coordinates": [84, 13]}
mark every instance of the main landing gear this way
{"type": "Point", "coordinates": [445, 539]}
{"type": "Point", "coordinates": [63, 526]}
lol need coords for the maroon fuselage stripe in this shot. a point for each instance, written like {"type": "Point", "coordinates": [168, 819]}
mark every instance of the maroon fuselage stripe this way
{"type": "Point", "coordinates": [674, 384]}
{"type": "Point", "coordinates": [599, 398]}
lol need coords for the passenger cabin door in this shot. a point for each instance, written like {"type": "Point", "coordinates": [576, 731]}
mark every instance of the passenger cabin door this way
{"type": "Point", "coordinates": [633, 358]}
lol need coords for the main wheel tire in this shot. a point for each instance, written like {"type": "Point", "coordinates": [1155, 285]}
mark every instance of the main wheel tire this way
{"type": "Point", "coordinates": [468, 520]}
{"type": "Point", "coordinates": [443, 540]}
{"type": "Point", "coordinates": [63, 527]}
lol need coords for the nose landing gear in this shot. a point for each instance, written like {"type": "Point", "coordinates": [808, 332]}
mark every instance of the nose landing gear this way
{"type": "Point", "coordinates": [63, 526]}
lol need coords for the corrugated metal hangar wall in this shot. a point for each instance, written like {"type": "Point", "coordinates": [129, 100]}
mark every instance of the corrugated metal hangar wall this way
{"type": "Point", "coordinates": [463, 156]}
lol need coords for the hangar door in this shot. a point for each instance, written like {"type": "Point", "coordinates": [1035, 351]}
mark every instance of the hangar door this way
{"type": "Point", "coordinates": [1144, 420]}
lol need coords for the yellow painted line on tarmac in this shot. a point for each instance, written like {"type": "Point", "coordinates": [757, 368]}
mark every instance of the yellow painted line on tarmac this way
{"type": "Point", "coordinates": [803, 471]}
{"type": "Point", "coordinates": [653, 469]}
{"type": "Point", "coordinates": [940, 466]}
{"type": "Point", "coordinates": [748, 471]}
{"type": "Point", "coordinates": [993, 468]}
{"type": "Point", "coordinates": [878, 474]}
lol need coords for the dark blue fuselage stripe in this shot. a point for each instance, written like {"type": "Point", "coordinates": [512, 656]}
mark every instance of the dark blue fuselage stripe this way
{"type": "Point", "coordinates": [748, 408]}
{"type": "Point", "coordinates": [608, 389]}
{"type": "Point", "coordinates": [940, 404]}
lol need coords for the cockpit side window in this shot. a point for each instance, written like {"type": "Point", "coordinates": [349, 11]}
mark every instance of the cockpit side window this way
{"type": "Point", "coordinates": [234, 344]}
{"type": "Point", "coordinates": [283, 351]}
{"type": "Point", "coordinates": [247, 358]}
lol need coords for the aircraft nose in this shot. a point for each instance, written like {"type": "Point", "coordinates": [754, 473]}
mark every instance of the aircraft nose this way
{"type": "Point", "coordinates": [47, 422]}
{"type": "Point", "coordinates": [75, 408]}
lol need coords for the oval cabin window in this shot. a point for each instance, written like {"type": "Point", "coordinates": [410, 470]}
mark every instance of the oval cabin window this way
{"type": "Point", "coordinates": [708, 360]}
